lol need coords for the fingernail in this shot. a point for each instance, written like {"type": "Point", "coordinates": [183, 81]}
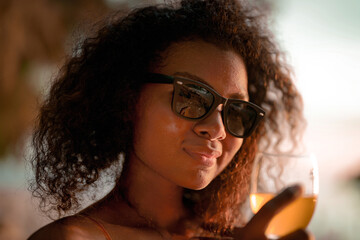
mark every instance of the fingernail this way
{"type": "Point", "coordinates": [295, 190]}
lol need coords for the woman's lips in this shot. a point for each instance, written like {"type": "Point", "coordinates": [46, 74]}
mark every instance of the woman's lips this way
{"type": "Point", "coordinates": [206, 157]}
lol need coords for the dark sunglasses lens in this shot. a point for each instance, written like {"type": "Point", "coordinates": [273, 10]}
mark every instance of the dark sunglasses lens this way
{"type": "Point", "coordinates": [192, 101]}
{"type": "Point", "coordinates": [240, 118]}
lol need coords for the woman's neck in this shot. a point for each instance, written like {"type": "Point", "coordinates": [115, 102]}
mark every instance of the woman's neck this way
{"type": "Point", "coordinates": [154, 199]}
{"type": "Point", "coordinates": [153, 196]}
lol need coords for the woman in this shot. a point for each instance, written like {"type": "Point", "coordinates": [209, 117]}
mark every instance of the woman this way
{"type": "Point", "coordinates": [180, 93]}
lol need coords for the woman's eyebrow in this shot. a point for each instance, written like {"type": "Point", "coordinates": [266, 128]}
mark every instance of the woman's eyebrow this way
{"type": "Point", "coordinates": [239, 95]}
{"type": "Point", "coordinates": [192, 77]}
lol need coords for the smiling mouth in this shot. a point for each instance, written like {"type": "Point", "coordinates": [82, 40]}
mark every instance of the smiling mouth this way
{"type": "Point", "coordinates": [204, 158]}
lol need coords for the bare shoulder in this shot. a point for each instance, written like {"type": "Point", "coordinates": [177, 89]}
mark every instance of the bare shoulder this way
{"type": "Point", "coordinates": [81, 228]}
{"type": "Point", "coordinates": [68, 228]}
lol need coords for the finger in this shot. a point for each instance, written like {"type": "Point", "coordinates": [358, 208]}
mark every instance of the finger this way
{"type": "Point", "coordinates": [248, 233]}
{"type": "Point", "coordinates": [271, 208]}
{"type": "Point", "coordinates": [300, 234]}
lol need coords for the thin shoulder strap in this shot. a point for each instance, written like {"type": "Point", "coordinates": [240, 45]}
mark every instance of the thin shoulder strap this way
{"type": "Point", "coordinates": [98, 224]}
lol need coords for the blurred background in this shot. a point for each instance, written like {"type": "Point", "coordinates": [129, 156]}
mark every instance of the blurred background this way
{"type": "Point", "coordinates": [320, 37]}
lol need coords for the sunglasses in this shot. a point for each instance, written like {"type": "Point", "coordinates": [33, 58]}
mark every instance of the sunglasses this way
{"type": "Point", "coordinates": [193, 100]}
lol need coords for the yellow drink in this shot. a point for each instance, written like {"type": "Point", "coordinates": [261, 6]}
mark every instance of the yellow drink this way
{"type": "Point", "coordinates": [294, 216]}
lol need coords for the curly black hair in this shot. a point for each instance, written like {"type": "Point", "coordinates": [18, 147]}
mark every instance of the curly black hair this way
{"type": "Point", "coordinates": [87, 120]}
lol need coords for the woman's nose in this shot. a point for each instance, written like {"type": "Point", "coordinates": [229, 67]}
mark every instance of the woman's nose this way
{"type": "Point", "coordinates": [212, 127]}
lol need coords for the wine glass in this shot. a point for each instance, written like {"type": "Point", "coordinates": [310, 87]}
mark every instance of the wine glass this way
{"type": "Point", "coordinates": [274, 172]}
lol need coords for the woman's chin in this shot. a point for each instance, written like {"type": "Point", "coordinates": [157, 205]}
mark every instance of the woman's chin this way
{"type": "Point", "coordinates": [198, 184]}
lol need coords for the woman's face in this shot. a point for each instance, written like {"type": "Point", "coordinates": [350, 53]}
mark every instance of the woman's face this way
{"type": "Point", "coordinates": [189, 153]}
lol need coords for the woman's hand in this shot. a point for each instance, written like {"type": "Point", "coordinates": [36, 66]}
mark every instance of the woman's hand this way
{"type": "Point", "coordinates": [255, 229]}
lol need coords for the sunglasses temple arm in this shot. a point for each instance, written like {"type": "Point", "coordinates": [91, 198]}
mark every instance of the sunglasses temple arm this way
{"type": "Point", "coordinates": [159, 78]}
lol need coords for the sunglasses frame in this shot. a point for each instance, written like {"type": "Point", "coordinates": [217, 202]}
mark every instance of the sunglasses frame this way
{"type": "Point", "coordinates": [218, 99]}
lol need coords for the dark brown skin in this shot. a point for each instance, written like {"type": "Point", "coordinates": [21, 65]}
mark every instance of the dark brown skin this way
{"type": "Point", "coordinates": [154, 188]}
{"type": "Point", "coordinates": [79, 228]}
{"type": "Point", "coordinates": [180, 178]}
